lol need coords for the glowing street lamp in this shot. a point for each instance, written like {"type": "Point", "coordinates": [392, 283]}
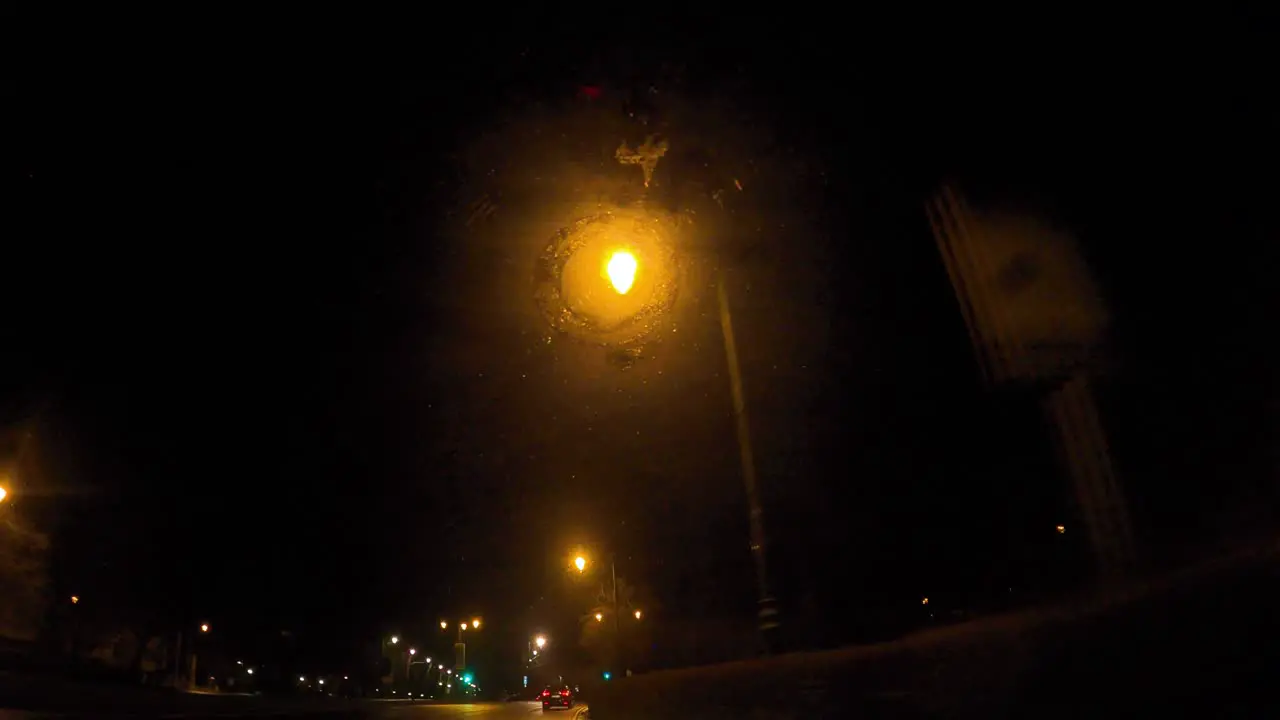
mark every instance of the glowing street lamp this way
{"type": "Point", "coordinates": [443, 625]}
{"type": "Point", "coordinates": [637, 614]}
{"type": "Point", "coordinates": [540, 641]}
{"type": "Point", "coordinates": [413, 651]}
{"type": "Point", "coordinates": [3, 493]}
{"type": "Point", "coordinates": [580, 563]}
{"type": "Point", "coordinates": [599, 617]}
{"type": "Point", "coordinates": [475, 623]}
{"type": "Point", "coordinates": [463, 626]}
{"type": "Point", "coordinates": [621, 270]}
{"type": "Point", "coordinates": [395, 639]}
{"type": "Point", "coordinates": [204, 627]}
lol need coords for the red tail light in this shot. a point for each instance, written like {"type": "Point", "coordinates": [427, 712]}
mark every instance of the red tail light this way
{"type": "Point", "coordinates": [546, 693]}
{"type": "Point", "coordinates": [564, 693]}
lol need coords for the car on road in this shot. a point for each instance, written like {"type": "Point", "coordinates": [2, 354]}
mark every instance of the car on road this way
{"type": "Point", "coordinates": [556, 697]}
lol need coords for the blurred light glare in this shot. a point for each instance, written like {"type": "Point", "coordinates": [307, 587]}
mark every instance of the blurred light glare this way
{"type": "Point", "coordinates": [3, 494]}
{"type": "Point", "coordinates": [580, 563]}
{"type": "Point", "coordinates": [1061, 529]}
{"type": "Point", "coordinates": [540, 641]}
{"type": "Point", "coordinates": [638, 614]}
{"type": "Point", "coordinates": [475, 624]}
{"type": "Point", "coordinates": [621, 270]}
{"type": "Point", "coordinates": [599, 617]}
{"type": "Point", "coordinates": [394, 639]}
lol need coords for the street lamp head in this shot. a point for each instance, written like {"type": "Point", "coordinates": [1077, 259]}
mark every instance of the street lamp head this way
{"type": "Point", "coordinates": [599, 617]}
{"type": "Point", "coordinates": [475, 623]}
{"type": "Point", "coordinates": [464, 626]}
{"type": "Point", "coordinates": [427, 661]}
{"type": "Point", "coordinates": [3, 493]}
{"type": "Point", "coordinates": [638, 614]}
{"type": "Point", "coordinates": [443, 624]}
{"type": "Point", "coordinates": [580, 563]}
{"type": "Point", "coordinates": [621, 271]}
{"type": "Point", "coordinates": [540, 641]}
{"type": "Point", "coordinates": [204, 627]}
{"type": "Point", "coordinates": [413, 651]}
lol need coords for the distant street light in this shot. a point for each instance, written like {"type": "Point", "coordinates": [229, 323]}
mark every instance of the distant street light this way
{"type": "Point", "coordinates": [321, 681]}
{"type": "Point", "coordinates": [394, 639]}
{"type": "Point", "coordinates": [204, 627]}
{"type": "Point", "coordinates": [1061, 529]}
{"type": "Point", "coordinates": [75, 599]}
{"type": "Point", "coordinates": [540, 641]}
{"type": "Point", "coordinates": [580, 563]}
{"type": "Point", "coordinates": [475, 624]}
{"type": "Point", "coordinates": [638, 614]}
{"type": "Point", "coordinates": [250, 671]}
{"type": "Point", "coordinates": [599, 617]}
{"type": "Point", "coordinates": [3, 493]}
{"type": "Point", "coordinates": [443, 625]}
{"type": "Point", "coordinates": [464, 626]}
{"type": "Point", "coordinates": [413, 651]}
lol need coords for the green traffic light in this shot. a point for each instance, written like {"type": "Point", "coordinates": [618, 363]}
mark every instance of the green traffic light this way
{"type": "Point", "coordinates": [607, 675]}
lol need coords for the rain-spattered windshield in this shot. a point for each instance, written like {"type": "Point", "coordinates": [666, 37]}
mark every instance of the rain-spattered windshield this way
{"type": "Point", "coordinates": [672, 366]}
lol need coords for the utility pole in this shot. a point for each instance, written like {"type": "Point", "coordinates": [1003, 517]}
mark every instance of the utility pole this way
{"type": "Point", "coordinates": [768, 607]}
{"type": "Point", "coordinates": [177, 660]}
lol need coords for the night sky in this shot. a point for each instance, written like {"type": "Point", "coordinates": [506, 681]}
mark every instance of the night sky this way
{"type": "Point", "coordinates": [277, 383]}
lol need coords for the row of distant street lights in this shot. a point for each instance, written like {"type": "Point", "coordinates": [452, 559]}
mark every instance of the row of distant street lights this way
{"type": "Point", "coordinates": [444, 675]}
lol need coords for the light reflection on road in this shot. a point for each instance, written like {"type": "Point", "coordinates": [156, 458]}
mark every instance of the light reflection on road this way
{"type": "Point", "coordinates": [508, 710]}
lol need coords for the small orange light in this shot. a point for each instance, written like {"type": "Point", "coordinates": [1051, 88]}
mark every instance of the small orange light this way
{"type": "Point", "coordinates": [75, 599]}
{"type": "Point", "coordinates": [1062, 529]}
{"type": "Point", "coordinates": [924, 601]}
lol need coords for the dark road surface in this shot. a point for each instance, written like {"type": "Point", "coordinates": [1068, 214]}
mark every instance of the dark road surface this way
{"type": "Point", "coordinates": [372, 710]}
